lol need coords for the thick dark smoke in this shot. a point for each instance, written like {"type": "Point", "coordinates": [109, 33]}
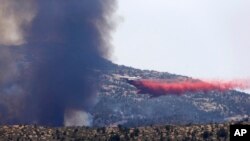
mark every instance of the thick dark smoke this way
{"type": "Point", "coordinates": [66, 42]}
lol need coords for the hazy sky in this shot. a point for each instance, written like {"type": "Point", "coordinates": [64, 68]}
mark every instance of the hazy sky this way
{"type": "Point", "coordinates": [199, 38]}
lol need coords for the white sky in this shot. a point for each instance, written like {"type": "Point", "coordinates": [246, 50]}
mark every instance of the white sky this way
{"type": "Point", "coordinates": [199, 38]}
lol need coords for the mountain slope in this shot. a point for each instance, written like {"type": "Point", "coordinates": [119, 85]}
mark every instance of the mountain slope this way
{"type": "Point", "coordinates": [118, 102]}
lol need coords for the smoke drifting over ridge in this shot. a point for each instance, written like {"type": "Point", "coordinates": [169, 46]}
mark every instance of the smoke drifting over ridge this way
{"type": "Point", "coordinates": [47, 70]}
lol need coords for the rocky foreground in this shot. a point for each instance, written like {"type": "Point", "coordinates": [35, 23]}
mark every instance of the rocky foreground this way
{"type": "Point", "coordinates": [169, 132]}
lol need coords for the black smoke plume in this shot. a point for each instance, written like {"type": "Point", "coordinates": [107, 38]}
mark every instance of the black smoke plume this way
{"type": "Point", "coordinates": [52, 72]}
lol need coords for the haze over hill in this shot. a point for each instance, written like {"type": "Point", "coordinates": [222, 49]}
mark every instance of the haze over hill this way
{"type": "Point", "coordinates": [203, 39]}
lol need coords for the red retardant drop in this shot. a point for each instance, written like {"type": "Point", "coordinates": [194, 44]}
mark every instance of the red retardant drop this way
{"type": "Point", "coordinates": [161, 87]}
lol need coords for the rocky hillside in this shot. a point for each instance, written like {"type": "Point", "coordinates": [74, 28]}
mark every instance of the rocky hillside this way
{"type": "Point", "coordinates": [118, 103]}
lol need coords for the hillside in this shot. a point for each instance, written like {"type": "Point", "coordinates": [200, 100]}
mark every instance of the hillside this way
{"type": "Point", "coordinates": [118, 102]}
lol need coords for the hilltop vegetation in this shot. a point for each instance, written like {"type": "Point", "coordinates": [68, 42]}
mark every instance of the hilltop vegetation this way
{"type": "Point", "coordinates": [211, 132]}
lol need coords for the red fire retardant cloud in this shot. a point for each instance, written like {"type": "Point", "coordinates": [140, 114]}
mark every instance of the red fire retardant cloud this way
{"type": "Point", "coordinates": [158, 87]}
